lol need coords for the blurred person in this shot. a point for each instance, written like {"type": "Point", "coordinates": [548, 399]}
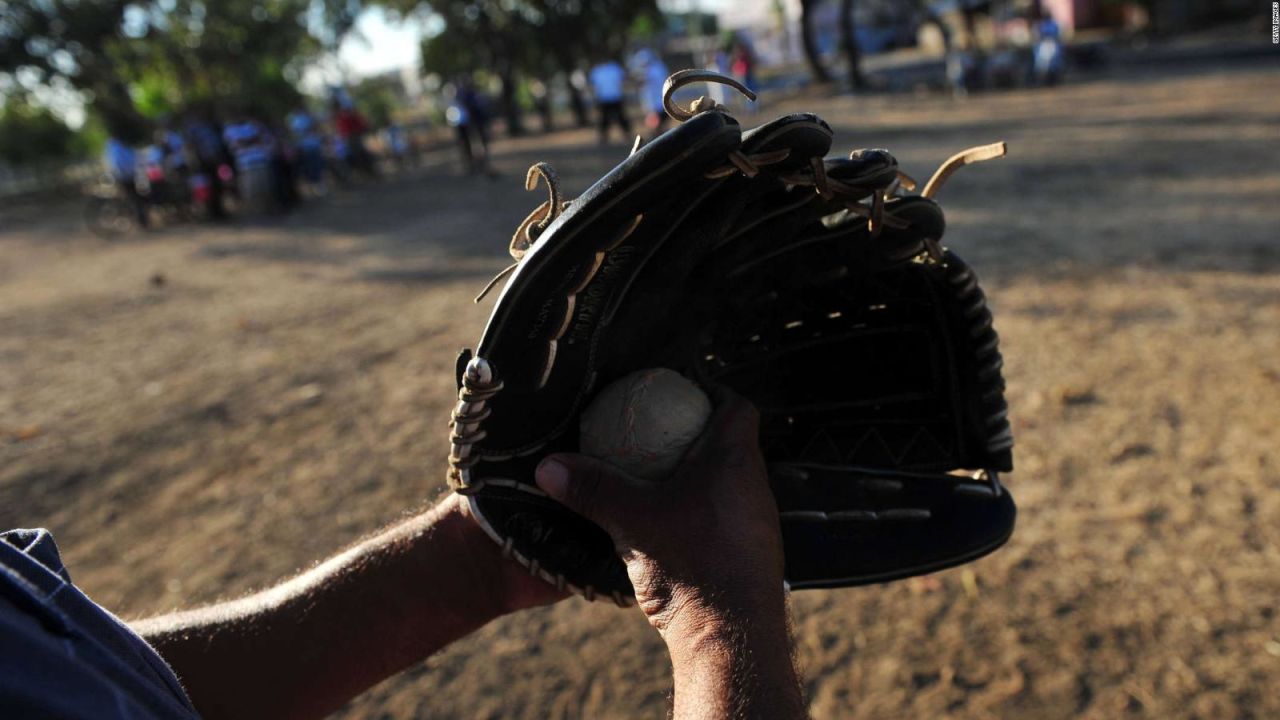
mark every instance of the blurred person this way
{"type": "Point", "coordinates": [252, 155]}
{"type": "Point", "coordinates": [284, 163]}
{"type": "Point", "coordinates": [310, 148]}
{"type": "Point", "coordinates": [397, 144]}
{"type": "Point", "coordinates": [742, 65]}
{"type": "Point", "coordinates": [467, 114]}
{"type": "Point", "coordinates": [714, 593]}
{"type": "Point", "coordinates": [337, 158]}
{"type": "Point", "coordinates": [655, 75]}
{"type": "Point", "coordinates": [718, 61]}
{"type": "Point", "coordinates": [177, 164]}
{"type": "Point", "coordinates": [351, 128]}
{"type": "Point", "coordinates": [165, 168]}
{"type": "Point", "coordinates": [1048, 58]}
{"type": "Point", "coordinates": [153, 168]}
{"type": "Point", "coordinates": [962, 68]}
{"type": "Point", "coordinates": [459, 119]}
{"type": "Point", "coordinates": [541, 96]}
{"type": "Point", "coordinates": [122, 165]}
{"type": "Point", "coordinates": [205, 140]}
{"type": "Point", "coordinates": [608, 87]}
{"type": "Point", "coordinates": [480, 110]}
{"type": "Point", "coordinates": [577, 87]}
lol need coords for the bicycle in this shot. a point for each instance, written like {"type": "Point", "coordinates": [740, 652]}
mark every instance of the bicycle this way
{"type": "Point", "coordinates": [107, 214]}
{"type": "Point", "coordinates": [110, 215]}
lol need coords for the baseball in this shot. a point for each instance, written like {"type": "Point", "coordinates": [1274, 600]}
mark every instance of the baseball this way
{"type": "Point", "coordinates": [644, 422]}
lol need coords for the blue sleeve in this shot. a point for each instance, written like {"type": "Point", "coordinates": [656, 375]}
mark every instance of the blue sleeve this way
{"type": "Point", "coordinates": [66, 657]}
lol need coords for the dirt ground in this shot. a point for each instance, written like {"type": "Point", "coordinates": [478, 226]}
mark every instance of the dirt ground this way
{"type": "Point", "coordinates": [281, 389]}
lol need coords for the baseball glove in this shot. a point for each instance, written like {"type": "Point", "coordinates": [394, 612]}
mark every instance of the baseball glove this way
{"type": "Point", "coordinates": [817, 288]}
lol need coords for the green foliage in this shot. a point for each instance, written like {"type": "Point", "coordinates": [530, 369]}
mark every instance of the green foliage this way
{"type": "Point", "coordinates": [91, 138]}
{"type": "Point", "coordinates": [30, 133]}
{"type": "Point", "coordinates": [232, 54]}
{"type": "Point", "coordinates": [73, 39]}
{"type": "Point", "coordinates": [137, 60]}
{"type": "Point", "coordinates": [378, 97]}
{"type": "Point", "coordinates": [533, 37]}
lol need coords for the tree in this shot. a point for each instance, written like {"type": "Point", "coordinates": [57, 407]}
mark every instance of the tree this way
{"type": "Point", "coordinates": [241, 54]}
{"type": "Point", "coordinates": [74, 40]}
{"type": "Point", "coordinates": [169, 53]}
{"type": "Point", "coordinates": [577, 33]}
{"type": "Point", "coordinates": [476, 35]}
{"type": "Point", "coordinates": [378, 97]}
{"type": "Point", "coordinates": [809, 38]}
{"type": "Point", "coordinates": [30, 133]}
{"type": "Point", "coordinates": [849, 44]}
{"type": "Point", "coordinates": [514, 39]}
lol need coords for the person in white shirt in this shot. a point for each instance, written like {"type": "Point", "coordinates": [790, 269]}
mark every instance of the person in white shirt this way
{"type": "Point", "coordinates": [607, 85]}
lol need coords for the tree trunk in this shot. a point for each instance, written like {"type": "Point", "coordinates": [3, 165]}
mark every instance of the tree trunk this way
{"type": "Point", "coordinates": [810, 39]}
{"type": "Point", "coordinates": [932, 18]}
{"type": "Point", "coordinates": [501, 62]}
{"type": "Point", "coordinates": [849, 44]}
{"type": "Point", "coordinates": [576, 103]}
{"type": "Point", "coordinates": [970, 15]}
{"type": "Point", "coordinates": [510, 107]}
{"type": "Point", "coordinates": [978, 75]}
{"type": "Point", "coordinates": [114, 105]}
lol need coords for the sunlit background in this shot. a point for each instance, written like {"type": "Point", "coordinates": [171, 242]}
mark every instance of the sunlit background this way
{"type": "Point", "coordinates": [263, 373]}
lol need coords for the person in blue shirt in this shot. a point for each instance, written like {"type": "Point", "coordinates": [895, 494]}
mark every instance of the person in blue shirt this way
{"type": "Point", "coordinates": [1048, 59]}
{"type": "Point", "coordinates": [608, 85]}
{"type": "Point", "coordinates": [205, 140]}
{"type": "Point", "coordinates": [301, 649]}
{"type": "Point", "coordinates": [250, 147]}
{"type": "Point", "coordinates": [310, 145]}
{"type": "Point", "coordinates": [655, 73]}
{"type": "Point", "coordinates": [468, 115]}
{"type": "Point", "coordinates": [122, 165]}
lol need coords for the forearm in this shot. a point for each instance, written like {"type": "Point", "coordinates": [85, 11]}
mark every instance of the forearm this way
{"type": "Point", "coordinates": [734, 662]}
{"type": "Point", "coordinates": [303, 648]}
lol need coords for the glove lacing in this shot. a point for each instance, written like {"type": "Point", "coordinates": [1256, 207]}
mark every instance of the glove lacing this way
{"type": "Point", "coordinates": [814, 176]}
{"type": "Point", "coordinates": [529, 229]}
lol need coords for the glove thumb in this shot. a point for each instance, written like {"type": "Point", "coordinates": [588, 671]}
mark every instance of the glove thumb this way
{"type": "Point", "coordinates": [592, 488]}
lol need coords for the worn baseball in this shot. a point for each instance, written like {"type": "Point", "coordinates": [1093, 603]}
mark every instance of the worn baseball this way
{"type": "Point", "coordinates": [644, 422]}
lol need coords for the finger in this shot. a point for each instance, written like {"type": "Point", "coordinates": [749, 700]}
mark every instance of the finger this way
{"type": "Point", "coordinates": [738, 417]}
{"type": "Point", "coordinates": [735, 421]}
{"type": "Point", "coordinates": [595, 490]}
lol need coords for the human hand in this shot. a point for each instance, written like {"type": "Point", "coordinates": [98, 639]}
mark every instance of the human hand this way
{"type": "Point", "coordinates": [704, 553]}
{"type": "Point", "coordinates": [702, 545]}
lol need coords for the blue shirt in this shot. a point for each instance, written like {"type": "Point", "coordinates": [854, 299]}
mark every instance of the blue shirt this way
{"type": "Point", "coordinates": [121, 160]}
{"type": "Point", "coordinates": [205, 139]}
{"type": "Point", "coordinates": [304, 131]}
{"type": "Point", "coordinates": [66, 657]}
{"type": "Point", "coordinates": [607, 81]}
{"type": "Point", "coordinates": [655, 76]}
{"type": "Point", "coordinates": [247, 144]}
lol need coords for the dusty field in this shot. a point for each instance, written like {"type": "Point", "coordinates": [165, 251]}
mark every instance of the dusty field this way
{"type": "Point", "coordinates": [286, 390]}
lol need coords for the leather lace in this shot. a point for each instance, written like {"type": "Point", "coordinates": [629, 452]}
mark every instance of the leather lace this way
{"type": "Point", "coordinates": [815, 175]}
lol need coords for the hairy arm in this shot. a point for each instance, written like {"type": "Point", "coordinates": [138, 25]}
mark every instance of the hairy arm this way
{"type": "Point", "coordinates": [733, 662]}
{"type": "Point", "coordinates": [704, 552]}
{"type": "Point", "coordinates": [308, 645]}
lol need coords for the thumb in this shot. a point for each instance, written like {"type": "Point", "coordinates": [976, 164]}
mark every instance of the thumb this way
{"type": "Point", "coordinates": [594, 489]}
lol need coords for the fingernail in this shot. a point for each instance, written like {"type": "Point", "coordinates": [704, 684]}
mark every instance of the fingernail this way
{"type": "Point", "coordinates": [553, 477]}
